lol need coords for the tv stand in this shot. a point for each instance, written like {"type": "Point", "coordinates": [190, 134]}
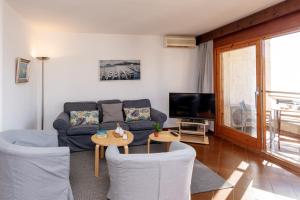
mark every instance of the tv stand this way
{"type": "Point", "coordinates": [194, 120]}
{"type": "Point", "coordinates": [193, 131]}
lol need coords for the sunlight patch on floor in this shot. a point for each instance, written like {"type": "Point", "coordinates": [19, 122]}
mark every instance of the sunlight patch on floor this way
{"type": "Point", "coordinates": [233, 179]}
{"type": "Point", "coordinates": [243, 166]}
{"type": "Point", "coordinates": [222, 194]}
{"type": "Point", "coordinates": [259, 194]}
{"type": "Point", "coordinates": [262, 194]}
{"type": "Point", "coordinates": [238, 173]}
{"type": "Point", "coordinates": [269, 164]}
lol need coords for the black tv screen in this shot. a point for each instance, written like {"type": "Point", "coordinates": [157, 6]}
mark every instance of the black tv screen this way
{"type": "Point", "coordinates": [192, 105]}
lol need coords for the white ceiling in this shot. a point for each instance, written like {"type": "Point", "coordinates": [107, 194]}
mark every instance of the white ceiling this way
{"type": "Point", "coordinates": [161, 17]}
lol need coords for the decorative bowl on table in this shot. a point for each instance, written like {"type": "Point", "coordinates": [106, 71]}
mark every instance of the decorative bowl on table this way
{"type": "Point", "coordinates": [119, 131]}
{"type": "Point", "coordinates": [101, 133]}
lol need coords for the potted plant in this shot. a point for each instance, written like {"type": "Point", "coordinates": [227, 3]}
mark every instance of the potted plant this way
{"type": "Point", "coordinates": [157, 129]}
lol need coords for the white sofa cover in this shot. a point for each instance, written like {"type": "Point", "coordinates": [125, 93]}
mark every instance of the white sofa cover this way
{"type": "Point", "coordinates": [33, 167]}
{"type": "Point", "coordinates": [158, 176]}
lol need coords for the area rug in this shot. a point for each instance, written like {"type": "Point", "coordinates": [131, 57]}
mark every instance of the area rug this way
{"type": "Point", "coordinates": [86, 186]}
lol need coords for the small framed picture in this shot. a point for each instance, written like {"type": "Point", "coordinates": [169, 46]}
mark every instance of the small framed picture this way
{"type": "Point", "coordinates": [22, 70]}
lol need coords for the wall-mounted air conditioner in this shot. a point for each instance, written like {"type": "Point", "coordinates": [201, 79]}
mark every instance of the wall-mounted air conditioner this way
{"type": "Point", "coordinates": [180, 41]}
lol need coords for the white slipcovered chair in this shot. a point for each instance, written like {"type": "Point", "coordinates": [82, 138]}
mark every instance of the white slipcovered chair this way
{"type": "Point", "coordinates": [158, 176]}
{"type": "Point", "coordinates": [33, 167]}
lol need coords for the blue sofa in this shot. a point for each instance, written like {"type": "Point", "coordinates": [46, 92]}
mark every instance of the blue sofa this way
{"type": "Point", "coordinates": [78, 138]}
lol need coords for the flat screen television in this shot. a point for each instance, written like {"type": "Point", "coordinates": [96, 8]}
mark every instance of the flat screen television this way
{"type": "Point", "coordinates": [192, 106]}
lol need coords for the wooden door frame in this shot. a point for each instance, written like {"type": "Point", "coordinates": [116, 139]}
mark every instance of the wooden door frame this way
{"type": "Point", "coordinates": [227, 132]}
{"type": "Point", "coordinates": [278, 27]}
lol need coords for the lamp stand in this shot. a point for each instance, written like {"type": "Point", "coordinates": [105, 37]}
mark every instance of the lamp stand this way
{"type": "Point", "coordinates": [43, 59]}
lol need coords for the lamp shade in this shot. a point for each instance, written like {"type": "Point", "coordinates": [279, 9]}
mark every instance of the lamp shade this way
{"type": "Point", "coordinates": [42, 58]}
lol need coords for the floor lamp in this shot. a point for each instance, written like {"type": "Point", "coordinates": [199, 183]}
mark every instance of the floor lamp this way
{"type": "Point", "coordinates": [43, 59]}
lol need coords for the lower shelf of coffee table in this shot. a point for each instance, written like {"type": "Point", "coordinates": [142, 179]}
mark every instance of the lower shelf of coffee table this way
{"type": "Point", "coordinates": [192, 138]}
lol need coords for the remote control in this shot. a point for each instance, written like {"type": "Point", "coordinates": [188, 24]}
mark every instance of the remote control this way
{"type": "Point", "coordinates": [174, 133]}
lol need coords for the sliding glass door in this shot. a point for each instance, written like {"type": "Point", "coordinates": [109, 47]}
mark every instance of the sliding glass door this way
{"type": "Point", "coordinates": [282, 70]}
{"type": "Point", "coordinates": [258, 95]}
{"type": "Point", "coordinates": [239, 93]}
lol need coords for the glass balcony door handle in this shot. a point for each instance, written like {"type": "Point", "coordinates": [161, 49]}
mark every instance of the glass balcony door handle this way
{"type": "Point", "coordinates": [256, 93]}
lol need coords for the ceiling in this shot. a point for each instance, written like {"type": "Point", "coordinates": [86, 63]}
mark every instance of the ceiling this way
{"type": "Point", "coordinates": [192, 17]}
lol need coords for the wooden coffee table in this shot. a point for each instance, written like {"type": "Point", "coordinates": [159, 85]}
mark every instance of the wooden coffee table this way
{"type": "Point", "coordinates": [109, 140]}
{"type": "Point", "coordinates": [163, 136]}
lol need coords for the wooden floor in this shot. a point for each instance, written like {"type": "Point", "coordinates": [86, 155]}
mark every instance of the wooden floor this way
{"type": "Point", "coordinates": [253, 177]}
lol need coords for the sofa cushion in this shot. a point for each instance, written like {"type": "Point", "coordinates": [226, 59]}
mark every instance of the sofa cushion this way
{"type": "Point", "coordinates": [141, 125]}
{"type": "Point", "coordinates": [113, 125]}
{"type": "Point", "coordinates": [99, 105]}
{"type": "Point", "coordinates": [83, 130]}
{"type": "Point", "coordinates": [79, 106]}
{"type": "Point", "coordinates": [84, 117]}
{"type": "Point", "coordinates": [142, 103]}
{"type": "Point", "coordinates": [112, 112]}
{"type": "Point", "coordinates": [136, 114]}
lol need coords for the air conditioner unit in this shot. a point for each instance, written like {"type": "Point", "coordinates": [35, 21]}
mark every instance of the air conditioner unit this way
{"type": "Point", "coordinates": [180, 41]}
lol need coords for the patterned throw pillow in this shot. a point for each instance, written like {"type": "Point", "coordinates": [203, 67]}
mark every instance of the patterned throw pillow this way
{"type": "Point", "coordinates": [84, 118]}
{"type": "Point", "coordinates": [135, 114]}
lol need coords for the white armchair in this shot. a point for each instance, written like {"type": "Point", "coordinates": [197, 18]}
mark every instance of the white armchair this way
{"type": "Point", "coordinates": [33, 167]}
{"type": "Point", "coordinates": [158, 176]}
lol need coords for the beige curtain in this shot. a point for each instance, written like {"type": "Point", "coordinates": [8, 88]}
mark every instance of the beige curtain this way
{"type": "Point", "coordinates": [205, 81]}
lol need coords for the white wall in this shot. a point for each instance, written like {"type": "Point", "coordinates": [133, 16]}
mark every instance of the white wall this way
{"type": "Point", "coordinates": [72, 73]}
{"type": "Point", "coordinates": [19, 100]}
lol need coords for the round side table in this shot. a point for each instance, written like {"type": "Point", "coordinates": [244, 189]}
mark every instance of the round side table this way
{"type": "Point", "coordinates": [163, 136]}
{"type": "Point", "coordinates": [111, 139]}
